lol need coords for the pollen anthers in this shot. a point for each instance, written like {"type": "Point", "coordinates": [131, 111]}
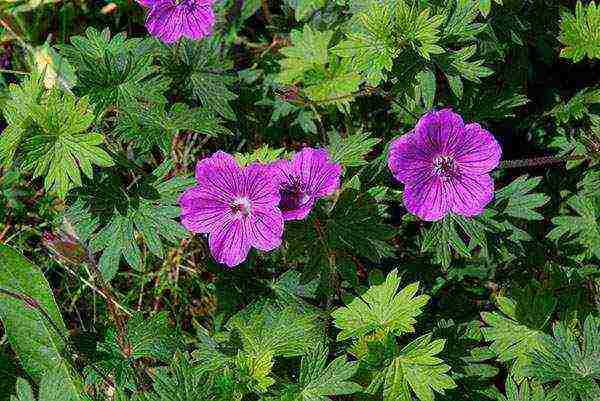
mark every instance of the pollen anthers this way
{"type": "Point", "coordinates": [241, 206]}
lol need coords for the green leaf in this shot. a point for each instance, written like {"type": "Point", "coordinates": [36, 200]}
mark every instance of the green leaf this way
{"type": "Point", "coordinates": [308, 50]}
{"type": "Point", "coordinates": [442, 238]}
{"type": "Point", "coordinates": [305, 8]}
{"type": "Point", "coordinates": [570, 362]}
{"type": "Point", "coordinates": [110, 217]}
{"type": "Point", "coordinates": [511, 339]}
{"type": "Point", "coordinates": [578, 107]}
{"type": "Point", "coordinates": [485, 6]}
{"type": "Point", "coordinates": [32, 336]}
{"type": "Point", "coordinates": [156, 126]}
{"type": "Point", "coordinates": [180, 382]}
{"type": "Point", "coordinates": [355, 225]}
{"type": "Point", "coordinates": [258, 368]}
{"type": "Point", "coordinates": [201, 70]}
{"type": "Point", "coordinates": [51, 137]}
{"type": "Point", "coordinates": [350, 151]}
{"type": "Point", "coordinates": [580, 33]}
{"type": "Point", "coordinates": [318, 380]}
{"type": "Point", "coordinates": [115, 72]}
{"type": "Point", "coordinates": [583, 228]}
{"type": "Point", "coordinates": [417, 369]}
{"type": "Point", "coordinates": [525, 391]}
{"type": "Point", "coordinates": [290, 284]}
{"type": "Point", "coordinates": [249, 8]}
{"type": "Point", "coordinates": [381, 309]}
{"type": "Point", "coordinates": [519, 201]}
{"type": "Point", "coordinates": [381, 32]}
{"type": "Point", "coordinates": [267, 328]}
{"type": "Point", "coordinates": [427, 85]}
{"type": "Point", "coordinates": [371, 45]}
{"type": "Point", "coordinates": [153, 337]}
{"type": "Point", "coordinates": [264, 155]}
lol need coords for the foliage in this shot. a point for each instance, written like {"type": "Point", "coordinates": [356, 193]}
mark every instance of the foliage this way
{"type": "Point", "coordinates": [109, 217]}
{"type": "Point", "coordinates": [571, 359]}
{"type": "Point", "coordinates": [48, 134]}
{"type": "Point", "coordinates": [381, 310]}
{"type": "Point", "coordinates": [35, 327]}
{"type": "Point", "coordinates": [512, 337]}
{"type": "Point", "coordinates": [579, 32]}
{"type": "Point", "coordinates": [114, 72]}
{"type": "Point", "coordinates": [102, 127]}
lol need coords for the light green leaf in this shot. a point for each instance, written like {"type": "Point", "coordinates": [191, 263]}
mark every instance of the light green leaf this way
{"type": "Point", "coordinates": [308, 49]}
{"type": "Point", "coordinates": [318, 380]}
{"type": "Point", "coordinates": [417, 369]}
{"type": "Point", "coordinates": [511, 340]}
{"type": "Point", "coordinates": [427, 86]}
{"type": "Point", "coordinates": [580, 33]}
{"type": "Point", "coordinates": [381, 309]}
{"type": "Point", "coordinates": [350, 151]}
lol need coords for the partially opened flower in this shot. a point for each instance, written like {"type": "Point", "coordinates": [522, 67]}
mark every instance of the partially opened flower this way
{"type": "Point", "coordinates": [170, 20]}
{"type": "Point", "coordinates": [310, 175]}
{"type": "Point", "coordinates": [236, 207]}
{"type": "Point", "coordinates": [444, 165]}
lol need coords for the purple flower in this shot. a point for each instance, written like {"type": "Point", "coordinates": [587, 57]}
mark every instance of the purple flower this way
{"type": "Point", "coordinates": [444, 165]}
{"type": "Point", "coordinates": [310, 175]}
{"type": "Point", "coordinates": [236, 207]}
{"type": "Point", "coordinates": [169, 20]}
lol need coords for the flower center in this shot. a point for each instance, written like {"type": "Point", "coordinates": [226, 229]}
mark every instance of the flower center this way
{"type": "Point", "coordinates": [241, 207]}
{"type": "Point", "coordinates": [445, 166]}
{"type": "Point", "coordinates": [292, 197]}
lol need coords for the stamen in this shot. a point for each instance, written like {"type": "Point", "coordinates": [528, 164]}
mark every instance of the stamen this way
{"type": "Point", "coordinates": [241, 206]}
{"type": "Point", "coordinates": [445, 166]}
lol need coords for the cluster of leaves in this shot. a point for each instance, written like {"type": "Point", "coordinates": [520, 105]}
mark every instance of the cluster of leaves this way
{"type": "Point", "coordinates": [100, 135]}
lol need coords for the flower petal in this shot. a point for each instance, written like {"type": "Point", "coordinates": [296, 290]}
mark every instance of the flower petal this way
{"type": "Point", "coordinates": [407, 161]}
{"type": "Point", "coordinates": [438, 132]}
{"type": "Point", "coordinates": [280, 171]}
{"type": "Point", "coordinates": [220, 176]}
{"type": "Point", "coordinates": [202, 211]}
{"type": "Point", "coordinates": [165, 21]}
{"type": "Point", "coordinates": [319, 175]}
{"type": "Point", "coordinates": [265, 228]}
{"type": "Point", "coordinates": [200, 21]}
{"type": "Point", "coordinates": [259, 187]}
{"type": "Point", "coordinates": [427, 199]}
{"type": "Point", "coordinates": [469, 194]}
{"type": "Point", "coordinates": [300, 212]}
{"type": "Point", "coordinates": [230, 244]}
{"type": "Point", "coordinates": [148, 3]}
{"type": "Point", "coordinates": [478, 152]}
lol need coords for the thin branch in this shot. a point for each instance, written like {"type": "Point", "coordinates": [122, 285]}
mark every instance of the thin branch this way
{"type": "Point", "coordinates": [540, 161]}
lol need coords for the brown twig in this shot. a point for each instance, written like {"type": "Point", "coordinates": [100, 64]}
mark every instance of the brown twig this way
{"type": "Point", "coordinates": [106, 290]}
{"type": "Point", "coordinates": [266, 11]}
{"type": "Point", "coordinates": [540, 161]}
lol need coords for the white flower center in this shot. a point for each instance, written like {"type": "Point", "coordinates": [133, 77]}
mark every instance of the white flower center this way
{"type": "Point", "coordinates": [241, 206]}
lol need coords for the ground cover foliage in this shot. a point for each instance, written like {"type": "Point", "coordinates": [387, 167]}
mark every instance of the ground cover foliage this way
{"type": "Point", "coordinates": [106, 295]}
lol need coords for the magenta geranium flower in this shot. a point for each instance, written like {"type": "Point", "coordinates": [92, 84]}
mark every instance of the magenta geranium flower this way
{"type": "Point", "coordinates": [236, 207]}
{"type": "Point", "coordinates": [170, 20]}
{"type": "Point", "coordinates": [310, 175]}
{"type": "Point", "coordinates": [444, 165]}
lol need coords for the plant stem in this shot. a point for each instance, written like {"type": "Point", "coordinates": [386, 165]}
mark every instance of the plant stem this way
{"type": "Point", "coordinates": [540, 161]}
{"type": "Point", "coordinates": [5, 71]}
{"type": "Point", "coordinates": [113, 307]}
